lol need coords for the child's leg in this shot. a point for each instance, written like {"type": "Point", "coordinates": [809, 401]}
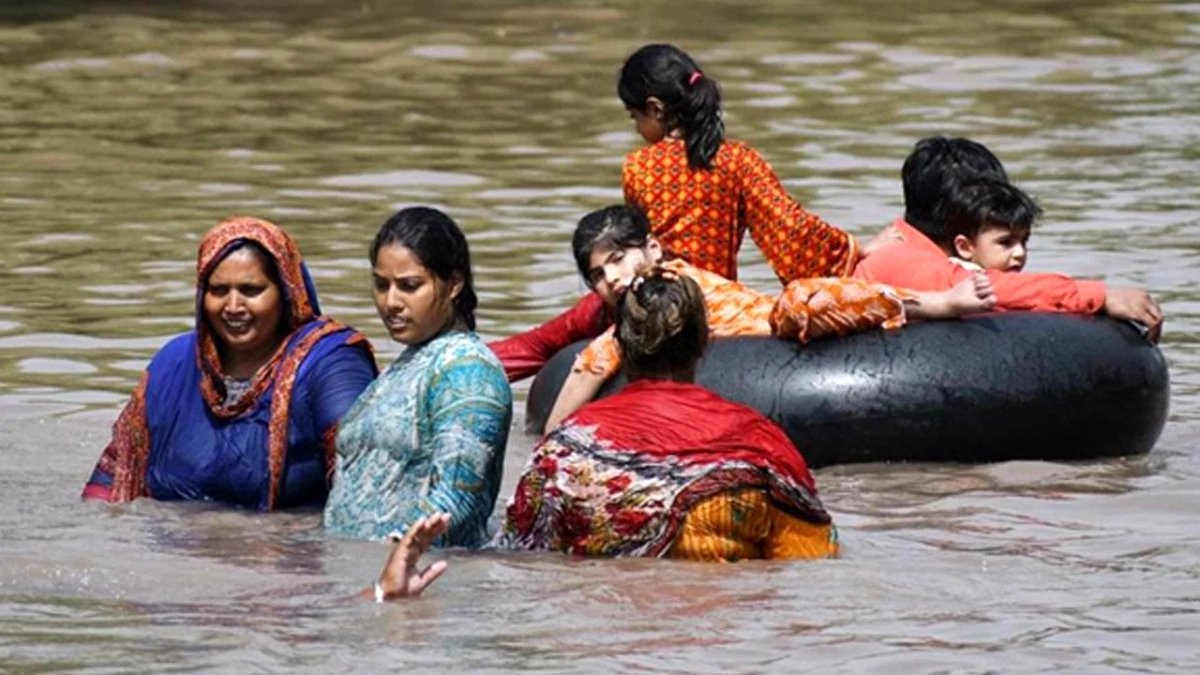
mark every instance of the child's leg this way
{"type": "Point", "coordinates": [967, 297]}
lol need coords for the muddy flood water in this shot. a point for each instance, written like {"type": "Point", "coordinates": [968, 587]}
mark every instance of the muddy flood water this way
{"type": "Point", "coordinates": [129, 128]}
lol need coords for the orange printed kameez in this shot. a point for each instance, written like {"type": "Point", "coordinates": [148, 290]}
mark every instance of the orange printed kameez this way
{"type": "Point", "coordinates": [702, 215]}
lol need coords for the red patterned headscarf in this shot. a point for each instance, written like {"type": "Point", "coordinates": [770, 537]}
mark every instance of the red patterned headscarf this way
{"type": "Point", "coordinates": [296, 290]}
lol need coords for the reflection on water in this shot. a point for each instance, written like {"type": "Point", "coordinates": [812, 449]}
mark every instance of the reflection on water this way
{"type": "Point", "coordinates": [130, 128]}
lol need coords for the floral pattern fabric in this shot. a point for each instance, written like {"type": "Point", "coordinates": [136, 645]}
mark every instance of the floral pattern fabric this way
{"type": "Point", "coordinates": [620, 477]}
{"type": "Point", "coordinates": [428, 436]}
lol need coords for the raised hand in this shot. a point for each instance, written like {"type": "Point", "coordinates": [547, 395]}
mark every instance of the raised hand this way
{"type": "Point", "coordinates": [401, 576]}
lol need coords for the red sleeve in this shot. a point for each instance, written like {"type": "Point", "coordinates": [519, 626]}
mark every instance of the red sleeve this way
{"type": "Point", "coordinates": [524, 354]}
{"type": "Point", "coordinates": [797, 244]}
{"type": "Point", "coordinates": [1043, 292]}
{"type": "Point", "coordinates": [910, 268]}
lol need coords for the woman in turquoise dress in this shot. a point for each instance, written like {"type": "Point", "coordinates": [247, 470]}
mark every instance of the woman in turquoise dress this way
{"type": "Point", "coordinates": [428, 436]}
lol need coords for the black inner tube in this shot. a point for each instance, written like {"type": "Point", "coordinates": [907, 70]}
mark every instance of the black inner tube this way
{"type": "Point", "coordinates": [990, 388]}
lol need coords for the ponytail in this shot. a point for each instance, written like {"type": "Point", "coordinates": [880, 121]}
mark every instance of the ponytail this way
{"type": "Point", "coordinates": [662, 325]}
{"type": "Point", "coordinates": [691, 100]}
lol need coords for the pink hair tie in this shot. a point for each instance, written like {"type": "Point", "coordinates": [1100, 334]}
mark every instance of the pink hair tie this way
{"type": "Point", "coordinates": [695, 78]}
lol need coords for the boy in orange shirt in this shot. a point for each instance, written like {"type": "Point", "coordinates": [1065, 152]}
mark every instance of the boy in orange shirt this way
{"type": "Point", "coordinates": [988, 222]}
{"type": "Point", "coordinates": [936, 170]}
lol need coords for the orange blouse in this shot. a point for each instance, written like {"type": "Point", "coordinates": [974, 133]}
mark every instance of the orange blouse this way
{"type": "Point", "coordinates": [702, 215]}
{"type": "Point", "coordinates": [807, 309]}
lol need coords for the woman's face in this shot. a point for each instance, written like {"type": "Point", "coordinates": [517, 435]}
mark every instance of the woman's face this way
{"type": "Point", "coordinates": [413, 303]}
{"type": "Point", "coordinates": [611, 269]}
{"type": "Point", "coordinates": [243, 306]}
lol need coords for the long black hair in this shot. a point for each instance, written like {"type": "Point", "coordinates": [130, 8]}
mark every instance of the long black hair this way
{"type": "Point", "coordinates": [691, 99]}
{"type": "Point", "coordinates": [619, 226]}
{"type": "Point", "coordinates": [440, 246]}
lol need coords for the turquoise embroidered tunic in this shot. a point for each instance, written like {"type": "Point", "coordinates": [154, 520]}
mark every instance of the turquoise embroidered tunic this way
{"type": "Point", "coordinates": [428, 436]}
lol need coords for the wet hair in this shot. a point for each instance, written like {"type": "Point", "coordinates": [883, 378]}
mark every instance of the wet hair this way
{"type": "Point", "coordinates": [619, 226]}
{"type": "Point", "coordinates": [989, 202]}
{"type": "Point", "coordinates": [691, 99]}
{"type": "Point", "coordinates": [933, 171]}
{"type": "Point", "coordinates": [662, 326]}
{"type": "Point", "coordinates": [440, 246]}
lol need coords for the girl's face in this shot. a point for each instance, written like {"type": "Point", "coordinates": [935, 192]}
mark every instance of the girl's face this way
{"type": "Point", "coordinates": [611, 269]}
{"type": "Point", "coordinates": [414, 304]}
{"type": "Point", "coordinates": [649, 121]}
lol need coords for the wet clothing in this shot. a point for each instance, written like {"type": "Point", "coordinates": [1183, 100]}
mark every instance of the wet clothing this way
{"type": "Point", "coordinates": [184, 436]}
{"type": "Point", "coordinates": [635, 475]}
{"type": "Point", "coordinates": [523, 355]}
{"type": "Point", "coordinates": [702, 215]}
{"type": "Point", "coordinates": [921, 265]}
{"type": "Point", "coordinates": [428, 436]}
{"type": "Point", "coordinates": [807, 309]}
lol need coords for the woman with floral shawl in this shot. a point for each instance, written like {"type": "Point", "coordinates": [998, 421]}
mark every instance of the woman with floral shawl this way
{"type": "Point", "coordinates": [666, 468]}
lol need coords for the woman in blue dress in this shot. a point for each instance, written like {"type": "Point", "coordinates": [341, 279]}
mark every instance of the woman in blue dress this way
{"type": "Point", "coordinates": [243, 409]}
{"type": "Point", "coordinates": [428, 436]}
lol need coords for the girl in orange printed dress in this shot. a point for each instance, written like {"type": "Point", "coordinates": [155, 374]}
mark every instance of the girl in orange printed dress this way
{"type": "Point", "coordinates": [702, 192]}
{"type": "Point", "coordinates": [614, 245]}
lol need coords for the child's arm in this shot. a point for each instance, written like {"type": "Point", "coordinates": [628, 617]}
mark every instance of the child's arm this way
{"type": "Point", "coordinates": [797, 244]}
{"type": "Point", "coordinates": [598, 361]}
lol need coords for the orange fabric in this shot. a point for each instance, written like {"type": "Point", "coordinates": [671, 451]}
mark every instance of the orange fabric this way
{"type": "Point", "coordinates": [919, 264]}
{"type": "Point", "coordinates": [807, 309]}
{"type": "Point", "coordinates": [745, 524]}
{"type": "Point", "coordinates": [702, 215]}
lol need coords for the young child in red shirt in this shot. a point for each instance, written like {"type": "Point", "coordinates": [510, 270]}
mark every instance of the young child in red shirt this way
{"type": "Point", "coordinates": [934, 173]}
{"type": "Point", "coordinates": [988, 222]}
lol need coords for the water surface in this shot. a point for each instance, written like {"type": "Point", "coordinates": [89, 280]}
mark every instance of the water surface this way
{"type": "Point", "coordinates": [129, 128]}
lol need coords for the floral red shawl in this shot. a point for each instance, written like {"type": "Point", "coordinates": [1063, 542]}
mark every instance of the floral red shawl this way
{"type": "Point", "coordinates": [618, 477]}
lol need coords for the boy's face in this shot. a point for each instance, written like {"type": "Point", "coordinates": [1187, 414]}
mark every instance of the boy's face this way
{"type": "Point", "coordinates": [996, 247]}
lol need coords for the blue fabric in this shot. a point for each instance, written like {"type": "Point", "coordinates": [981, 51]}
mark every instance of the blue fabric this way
{"type": "Point", "coordinates": [428, 436]}
{"type": "Point", "coordinates": [196, 456]}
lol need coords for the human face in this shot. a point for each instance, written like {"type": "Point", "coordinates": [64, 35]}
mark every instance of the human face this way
{"type": "Point", "coordinates": [243, 306]}
{"type": "Point", "coordinates": [610, 270]}
{"type": "Point", "coordinates": [995, 248]}
{"type": "Point", "coordinates": [649, 121]}
{"type": "Point", "coordinates": [414, 304]}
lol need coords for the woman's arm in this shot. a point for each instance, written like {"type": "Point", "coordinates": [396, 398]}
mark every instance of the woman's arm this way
{"type": "Point", "coordinates": [400, 577]}
{"type": "Point", "coordinates": [120, 474]}
{"type": "Point", "coordinates": [797, 244]}
{"type": "Point", "coordinates": [470, 409]}
{"type": "Point", "coordinates": [337, 381]}
{"type": "Point", "coordinates": [579, 388]}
